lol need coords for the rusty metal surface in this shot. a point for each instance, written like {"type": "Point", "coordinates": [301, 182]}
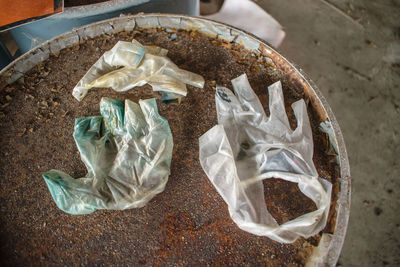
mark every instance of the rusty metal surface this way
{"type": "Point", "coordinates": [194, 225]}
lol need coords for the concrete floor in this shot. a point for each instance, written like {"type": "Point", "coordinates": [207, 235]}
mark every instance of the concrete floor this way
{"type": "Point", "coordinates": [351, 49]}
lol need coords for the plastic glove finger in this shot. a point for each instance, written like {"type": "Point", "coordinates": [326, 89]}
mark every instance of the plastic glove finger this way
{"type": "Point", "coordinates": [127, 54]}
{"type": "Point", "coordinates": [94, 143]}
{"type": "Point", "coordinates": [120, 80]}
{"type": "Point", "coordinates": [159, 139]}
{"type": "Point", "coordinates": [135, 123]}
{"type": "Point", "coordinates": [226, 103]}
{"type": "Point", "coordinates": [229, 111]}
{"type": "Point", "coordinates": [302, 136]}
{"type": "Point", "coordinates": [159, 65]}
{"type": "Point", "coordinates": [246, 96]}
{"type": "Point", "coordinates": [276, 104]}
{"type": "Point", "coordinates": [88, 128]}
{"type": "Point", "coordinates": [112, 111]}
{"type": "Point", "coordinates": [167, 84]}
{"type": "Point", "coordinates": [303, 122]}
{"type": "Point", "coordinates": [184, 76]}
{"type": "Point", "coordinates": [71, 195]}
{"type": "Point", "coordinates": [98, 69]}
{"type": "Point", "coordinates": [150, 112]}
{"type": "Point", "coordinates": [86, 134]}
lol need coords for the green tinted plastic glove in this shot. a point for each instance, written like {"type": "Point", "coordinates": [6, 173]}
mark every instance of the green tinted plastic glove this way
{"type": "Point", "coordinates": [127, 154]}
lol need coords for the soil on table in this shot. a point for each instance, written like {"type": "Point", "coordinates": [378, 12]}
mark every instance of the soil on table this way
{"type": "Point", "coordinates": [189, 222]}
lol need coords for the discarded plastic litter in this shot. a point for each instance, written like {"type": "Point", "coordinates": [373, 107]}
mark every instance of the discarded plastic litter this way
{"type": "Point", "coordinates": [247, 147]}
{"type": "Point", "coordinates": [130, 64]}
{"type": "Point", "coordinates": [127, 154]}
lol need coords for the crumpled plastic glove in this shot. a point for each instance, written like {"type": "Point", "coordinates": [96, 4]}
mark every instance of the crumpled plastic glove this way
{"type": "Point", "coordinates": [130, 64]}
{"type": "Point", "coordinates": [127, 154]}
{"type": "Point", "coordinates": [247, 146]}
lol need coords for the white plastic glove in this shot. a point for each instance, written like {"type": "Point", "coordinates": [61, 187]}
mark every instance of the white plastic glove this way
{"type": "Point", "coordinates": [247, 147]}
{"type": "Point", "coordinates": [128, 65]}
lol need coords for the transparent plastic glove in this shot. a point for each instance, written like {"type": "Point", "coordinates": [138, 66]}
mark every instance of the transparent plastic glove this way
{"type": "Point", "coordinates": [128, 65]}
{"type": "Point", "coordinates": [247, 147]}
{"type": "Point", "coordinates": [127, 154]}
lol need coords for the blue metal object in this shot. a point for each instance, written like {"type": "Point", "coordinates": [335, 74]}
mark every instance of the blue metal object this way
{"type": "Point", "coordinates": [29, 35]}
{"type": "Point", "coordinates": [5, 57]}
